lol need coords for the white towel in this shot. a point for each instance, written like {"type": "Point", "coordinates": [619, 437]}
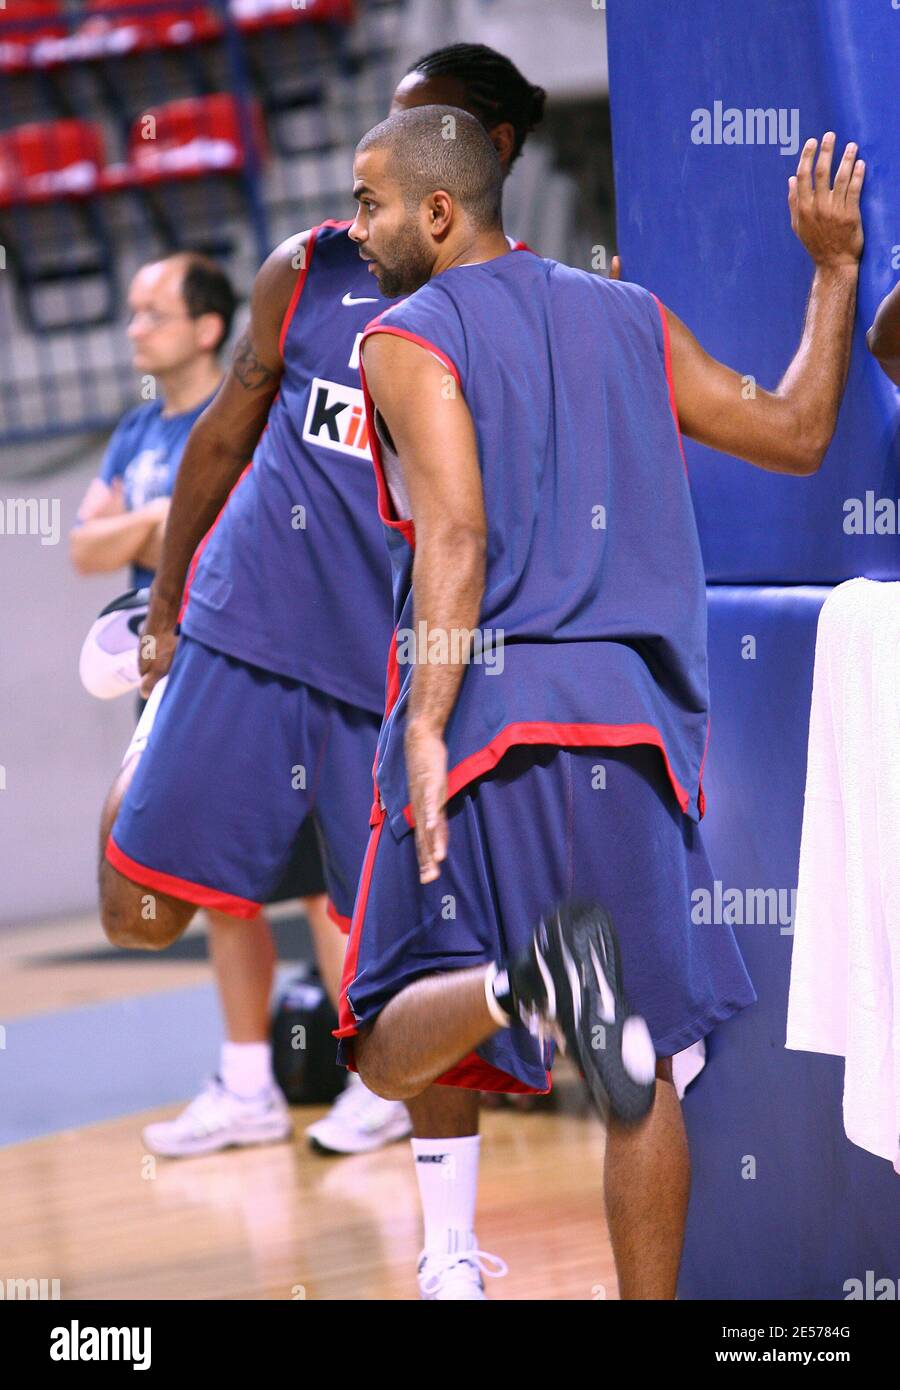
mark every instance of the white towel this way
{"type": "Point", "coordinates": [845, 969]}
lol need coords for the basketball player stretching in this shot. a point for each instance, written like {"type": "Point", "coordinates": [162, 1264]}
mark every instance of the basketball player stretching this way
{"type": "Point", "coordinates": [525, 426]}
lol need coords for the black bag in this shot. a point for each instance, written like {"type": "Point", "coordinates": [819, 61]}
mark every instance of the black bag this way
{"type": "Point", "coordinates": [304, 1051]}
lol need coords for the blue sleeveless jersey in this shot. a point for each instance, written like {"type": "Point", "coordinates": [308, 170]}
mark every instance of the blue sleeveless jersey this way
{"type": "Point", "coordinates": [294, 576]}
{"type": "Point", "coordinates": [594, 576]}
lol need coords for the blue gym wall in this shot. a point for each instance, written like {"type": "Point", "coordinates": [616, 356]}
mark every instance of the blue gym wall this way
{"type": "Point", "coordinates": [706, 227]}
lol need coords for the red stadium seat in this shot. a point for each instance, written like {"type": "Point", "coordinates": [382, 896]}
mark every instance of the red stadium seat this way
{"type": "Point", "coordinates": [263, 14]}
{"type": "Point", "coordinates": [190, 138]}
{"type": "Point", "coordinates": [48, 160]}
{"type": "Point", "coordinates": [15, 41]}
{"type": "Point", "coordinates": [110, 20]}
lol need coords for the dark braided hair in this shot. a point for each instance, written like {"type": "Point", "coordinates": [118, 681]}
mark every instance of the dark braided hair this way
{"type": "Point", "coordinates": [495, 89]}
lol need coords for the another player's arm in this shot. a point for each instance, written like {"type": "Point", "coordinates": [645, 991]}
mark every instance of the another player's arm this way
{"type": "Point", "coordinates": [883, 338]}
{"type": "Point", "coordinates": [789, 429]}
{"type": "Point", "coordinates": [434, 436]}
{"type": "Point", "coordinates": [220, 446]}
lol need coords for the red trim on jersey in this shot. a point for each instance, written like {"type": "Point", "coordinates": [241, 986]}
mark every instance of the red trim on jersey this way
{"type": "Point", "coordinates": [338, 918]}
{"type": "Point", "coordinates": [285, 325]}
{"type": "Point", "coordinates": [701, 795]}
{"type": "Point", "coordinates": [385, 505]}
{"type": "Point", "coordinates": [195, 559]}
{"type": "Point", "coordinates": [376, 326]}
{"type": "Point", "coordinates": [298, 286]}
{"type": "Point", "coordinates": [560, 736]}
{"type": "Point", "coordinates": [179, 887]}
{"type": "Point", "coordinates": [473, 1073]}
{"type": "Point", "coordinates": [392, 693]}
{"type": "Point", "coordinates": [347, 1023]}
{"type": "Point", "coordinates": [667, 354]}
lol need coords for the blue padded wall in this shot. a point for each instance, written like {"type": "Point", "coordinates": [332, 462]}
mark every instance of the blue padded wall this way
{"type": "Point", "coordinates": [706, 227]}
{"type": "Point", "coordinates": [819, 1210]}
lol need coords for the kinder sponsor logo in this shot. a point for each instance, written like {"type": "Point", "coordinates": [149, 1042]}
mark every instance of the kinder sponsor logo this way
{"type": "Point", "coordinates": [77, 1343]}
{"type": "Point", "coordinates": [336, 418]}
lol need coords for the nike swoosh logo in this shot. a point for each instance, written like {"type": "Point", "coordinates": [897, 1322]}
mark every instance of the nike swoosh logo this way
{"type": "Point", "coordinates": [349, 299]}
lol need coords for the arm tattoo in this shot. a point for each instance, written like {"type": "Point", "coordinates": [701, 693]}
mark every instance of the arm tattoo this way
{"type": "Point", "coordinates": [250, 372]}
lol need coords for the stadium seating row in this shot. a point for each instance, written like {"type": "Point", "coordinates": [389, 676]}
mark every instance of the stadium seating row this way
{"type": "Point", "coordinates": [181, 139]}
{"type": "Point", "coordinates": [39, 34]}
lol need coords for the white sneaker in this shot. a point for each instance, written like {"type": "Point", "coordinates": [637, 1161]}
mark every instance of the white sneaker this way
{"type": "Point", "coordinates": [218, 1119]}
{"type": "Point", "coordinates": [458, 1276]}
{"type": "Point", "coordinates": [359, 1122]}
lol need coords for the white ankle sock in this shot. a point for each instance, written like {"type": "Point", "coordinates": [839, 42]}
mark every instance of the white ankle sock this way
{"type": "Point", "coordinates": [246, 1068]}
{"type": "Point", "coordinates": [447, 1174]}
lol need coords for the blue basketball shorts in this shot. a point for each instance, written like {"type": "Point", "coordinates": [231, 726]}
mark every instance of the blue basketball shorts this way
{"type": "Point", "coordinates": [547, 825]}
{"type": "Point", "coordinates": [235, 761]}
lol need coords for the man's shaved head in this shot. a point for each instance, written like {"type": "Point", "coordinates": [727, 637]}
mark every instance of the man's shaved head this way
{"type": "Point", "coordinates": [441, 147]}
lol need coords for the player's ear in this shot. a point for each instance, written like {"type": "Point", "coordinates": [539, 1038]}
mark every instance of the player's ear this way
{"type": "Point", "coordinates": [440, 212]}
{"type": "Point", "coordinates": [209, 331]}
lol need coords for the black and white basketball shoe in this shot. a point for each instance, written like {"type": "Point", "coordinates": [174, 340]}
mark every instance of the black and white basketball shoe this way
{"type": "Point", "coordinates": [569, 984]}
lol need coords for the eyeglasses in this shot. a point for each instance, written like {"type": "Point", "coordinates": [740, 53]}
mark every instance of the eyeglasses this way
{"type": "Point", "coordinates": [152, 318]}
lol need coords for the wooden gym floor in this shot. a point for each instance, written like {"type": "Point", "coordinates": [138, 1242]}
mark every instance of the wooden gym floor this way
{"type": "Point", "coordinates": [83, 1203]}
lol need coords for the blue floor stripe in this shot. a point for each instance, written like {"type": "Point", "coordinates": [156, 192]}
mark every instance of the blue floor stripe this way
{"type": "Point", "coordinates": [63, 1070]}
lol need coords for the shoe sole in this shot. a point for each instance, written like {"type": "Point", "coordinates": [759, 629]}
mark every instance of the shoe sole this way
{"type": "Point", "coordinates": [319, 1146]}
{"type": "Point", "coordinates": [617, 1055]}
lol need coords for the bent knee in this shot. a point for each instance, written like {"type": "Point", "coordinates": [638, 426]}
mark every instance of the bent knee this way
{"type": "Point", "coordinates": [377, 1072]}
{"type": "Point", "coordinates": [136, 918]}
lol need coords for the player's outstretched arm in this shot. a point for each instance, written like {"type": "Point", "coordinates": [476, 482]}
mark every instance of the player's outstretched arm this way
{"type": "Point", "coordinates": [434, 436]}
{"type": "Point", "coordinates": [883, 338]}
{"type": "Point", "coordinates": [220, 446]}
{"type": "Point", "coordinates": [789, 429]}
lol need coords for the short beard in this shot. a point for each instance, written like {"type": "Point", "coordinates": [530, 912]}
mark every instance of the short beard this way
{"type": "Point", "coordinates": [410, 266]}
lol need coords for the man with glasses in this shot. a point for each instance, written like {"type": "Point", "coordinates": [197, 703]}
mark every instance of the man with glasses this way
{"type": "Point", "coordinates": [181, 310]}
